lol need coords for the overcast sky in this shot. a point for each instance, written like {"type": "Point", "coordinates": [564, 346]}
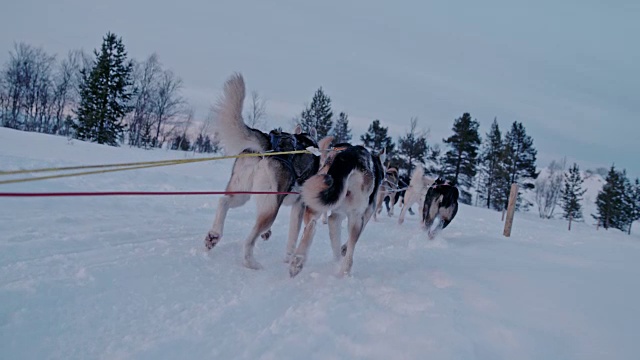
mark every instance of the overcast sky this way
{"type": "Point", "coordinates": [567, 69]}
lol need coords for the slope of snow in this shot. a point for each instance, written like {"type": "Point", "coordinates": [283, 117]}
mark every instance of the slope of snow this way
{"type": "Point", "coordinates": [128, 277]}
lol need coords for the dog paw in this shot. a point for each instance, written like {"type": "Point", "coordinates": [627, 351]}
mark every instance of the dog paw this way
{"type": "Point", "coordinates": [251, 263]}
{"type": "Point", "coordinates": [400, 221]}
{"type": "Point", "coordinates": [296, 264]}
{"type": "Point", "coordinates": [211, 239]}
{"type": "Point", "coordinates": [266, 235]}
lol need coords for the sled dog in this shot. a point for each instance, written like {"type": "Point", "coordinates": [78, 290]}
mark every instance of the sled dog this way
{"type": "Point", "coordinates": [279, 173]}
{"type": "Point", "coordinates": [440, 203]}
{"type": "Point", "coordinates": [346, 185]}
{"type": "Point", "coordinates": [388, 188]}
{"type": "Point", "coordinates": [416, 192]}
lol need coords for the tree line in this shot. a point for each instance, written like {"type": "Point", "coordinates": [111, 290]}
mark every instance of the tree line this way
{"type": "Point", "coordinates": [104, 97]}
{"type": "Point", "coordinates": [110, 99]}
{"type": "Point", "coordinates": [486, 167]}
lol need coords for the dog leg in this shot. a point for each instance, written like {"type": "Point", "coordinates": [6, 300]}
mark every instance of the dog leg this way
{"type": "Point", "coordinates": [335, 225]}
{"type": "Point", "coordinates": [268, 206]}
{"type": "Point", "coordinates": [393, 203]}
{"type": "Point", "coordinates": [355, 224]}
{"type": "Point", "coordinates": [265, 236]}
{"type": "Point", "coordinates": [295, 223]}
{"type": "Point", "coordinates": [408, 201]}
{"type": "Point", "coordinates": [378, 208]}
{"type": "Point", "coordinates": [224, 204]}
{"type": "Point", "coordinates": [325, 217]}
{"type": "Point", "coordinates": [300, 256]}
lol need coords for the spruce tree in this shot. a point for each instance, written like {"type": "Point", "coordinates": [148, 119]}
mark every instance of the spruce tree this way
{"type": "Point", "coordinates": [610, 201]}
{"type": "Point", "coordinates": [412, 149]}
{"type": "Point", "coordinates": [105, 93]}
{"type": "Point", "coordinates": [519, 158]}
{"type": "Point", "coordinates": [633, 203]}
{"type": "Point", "coordinates": [461, 159]}
{"type": "Point", "coordinates": [376, 138]}
{"type": "Point", "coordinates": [571, 195]}
{"type": "Point", "coordinates": [318, 115]}
{"type": "Point", "coordinates": [493, 175]}
{"type": "Point", "coordinates": [342, 132]}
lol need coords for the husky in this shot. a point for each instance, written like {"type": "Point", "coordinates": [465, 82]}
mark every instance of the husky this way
{"type": "Point", "coordinates": [278, 173]}
{"type": "Point", "coordinates": [346, 185]}
{"type": "Point", "coordinates": [440, 203]}
{"type": "Point", "coordinates": [416, 192]}
{"type": "Point", "coordinates": [388, 188]}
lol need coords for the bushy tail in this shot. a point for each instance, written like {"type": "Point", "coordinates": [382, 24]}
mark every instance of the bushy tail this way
{"type": "Point", "coordinates": [416, 177]}
{"type": "Point", "coordinates": [232, 132]}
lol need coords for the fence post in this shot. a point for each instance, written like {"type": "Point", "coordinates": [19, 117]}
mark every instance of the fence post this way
{"type": "Point", "coordinates": [570, 218]}
{"type": "Point", "coordinates": [511, 209]}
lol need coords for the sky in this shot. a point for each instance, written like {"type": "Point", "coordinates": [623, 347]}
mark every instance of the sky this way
{"type": "Point", "coordinates": [567, 70]}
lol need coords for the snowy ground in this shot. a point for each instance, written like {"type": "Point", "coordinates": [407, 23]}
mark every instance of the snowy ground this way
{"type": "Point", "coordinates": [128, 278]}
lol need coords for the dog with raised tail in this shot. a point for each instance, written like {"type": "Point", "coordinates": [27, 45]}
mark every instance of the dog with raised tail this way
{"type": "Point", "coordinates": [278, 173]}
{"type": "Point", "coordinates": [416, 192]}
{"type": "Point", "coordinates": [346, 185]}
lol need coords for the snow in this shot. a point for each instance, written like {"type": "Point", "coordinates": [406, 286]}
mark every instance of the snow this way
{"type": "Point", "coordinates": [128, 277]}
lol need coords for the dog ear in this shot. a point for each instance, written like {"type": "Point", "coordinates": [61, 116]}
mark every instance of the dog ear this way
{"type": "Point", "coordinates": [313, 133]}
{"type": "Point", "coordinates": [383, 158]}
{"type": "Point", "coordinates": [298, 129]}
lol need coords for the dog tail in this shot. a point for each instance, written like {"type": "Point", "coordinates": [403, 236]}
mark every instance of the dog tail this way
{"type": "Point", "coordinates": [416, 177]}
{"type": "Point", "coordinates": [232, 132]}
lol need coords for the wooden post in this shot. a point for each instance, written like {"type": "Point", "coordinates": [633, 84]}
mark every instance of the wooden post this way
{"type": "Point", "coordinates": [511, 209]}
{"type": "Point", "coordinates": [570, 218]}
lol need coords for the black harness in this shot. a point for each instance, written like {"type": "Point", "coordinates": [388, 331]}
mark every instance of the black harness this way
{"type": "Point", "coordinates": [286, 159]}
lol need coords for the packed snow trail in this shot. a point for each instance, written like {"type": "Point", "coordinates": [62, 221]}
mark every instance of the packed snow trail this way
{"type": "Point", "coordinates": [128, 277]}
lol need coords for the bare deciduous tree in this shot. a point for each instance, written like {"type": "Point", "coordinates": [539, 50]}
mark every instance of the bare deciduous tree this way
{"type": "Point", "coordinates": [145, 77]}
{"type": "Point", "coordinates": [168, 105]}
{"type": "Point", "coordinates": [28, 90]}
{"type": "Point", "coordinates": [548, 189]}
{"type": "Point", "coordinates": [256, 115]}
{"type": "Point", "coordinates": [66, 82]}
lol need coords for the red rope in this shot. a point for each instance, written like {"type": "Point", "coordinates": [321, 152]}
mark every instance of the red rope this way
{"type": "Point", "coordinates": [144, 193]}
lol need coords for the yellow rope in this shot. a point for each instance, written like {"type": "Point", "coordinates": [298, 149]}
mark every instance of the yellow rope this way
{"type": "Point", "coordinates": [129, 166]}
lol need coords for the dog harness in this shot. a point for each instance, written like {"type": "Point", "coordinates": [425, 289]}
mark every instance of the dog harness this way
{"type": "Point", "coordinates": [275, 138]}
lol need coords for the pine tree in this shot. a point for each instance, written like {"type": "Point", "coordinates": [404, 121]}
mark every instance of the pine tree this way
{"type": "Point", "coordinates": [520, 159]}
{"type": "Point", "coordinates": [105, 94]}
{"type": "Point", "coordinates": [610, 201]}
{"type": "Point", "coordinates": [633, 205]}
{"type": "Point", "coordinates": [493, 175]}
{"type": "Point", "coordinates": [571, 195]}
{"type": "Point", "coordinates": [461, 160]}
{"type": "Point", "coordinates": [412, 149]}
{"type": "Point", "coordinates": [433, 166]}
{"type": "Point", "coordinates": [342, 132]}
{"type": "Point", "coordinates": [318, 115]}
{"type": "Point", "coordinates": [376, 138]}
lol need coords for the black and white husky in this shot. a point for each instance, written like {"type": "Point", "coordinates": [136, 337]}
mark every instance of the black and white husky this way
{"type": "Point", "coordinates": [280, 173]}
{"type": "Point", "coordinates": [347, 185]}
{"type": "Point", "coordinates": [441, 205]}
